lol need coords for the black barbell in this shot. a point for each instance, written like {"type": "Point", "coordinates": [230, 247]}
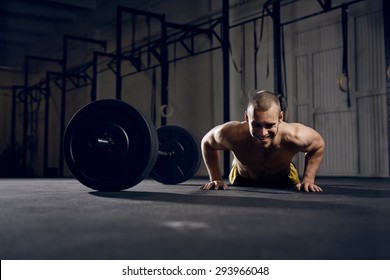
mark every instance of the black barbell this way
{"type": "Point", "coordinates": [110, 146]}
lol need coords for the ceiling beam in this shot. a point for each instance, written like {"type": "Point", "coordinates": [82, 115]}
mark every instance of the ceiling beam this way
{"type": "Point", "coordinates": [85, 4]}
{"type": "Point", "coordinates": [21, 24]}
{"type": "Point", "coordinates": [34, 11]}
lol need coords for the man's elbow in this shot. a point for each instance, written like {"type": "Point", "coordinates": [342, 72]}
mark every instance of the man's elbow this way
{"type": "Point", "coordinates": [206, 143]}
{"type": "Point", "coordinates": [321, 145]}
{"type": "Point", "coordinates": [317, 149]}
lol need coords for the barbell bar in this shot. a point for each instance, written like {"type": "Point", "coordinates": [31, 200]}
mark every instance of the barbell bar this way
{"type": "Point", "coordinates": [110, 146]}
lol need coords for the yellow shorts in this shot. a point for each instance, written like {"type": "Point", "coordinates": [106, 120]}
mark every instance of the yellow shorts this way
{"type": "Point", "coordinates": [292, 176]}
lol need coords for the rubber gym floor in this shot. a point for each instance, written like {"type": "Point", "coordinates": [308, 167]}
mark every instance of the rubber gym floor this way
{"type": "Point", "coordinates": [62, 219]}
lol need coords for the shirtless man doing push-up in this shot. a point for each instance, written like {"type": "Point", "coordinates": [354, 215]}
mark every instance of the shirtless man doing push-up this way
{"type": "Point", "coordinates": [263, 147]}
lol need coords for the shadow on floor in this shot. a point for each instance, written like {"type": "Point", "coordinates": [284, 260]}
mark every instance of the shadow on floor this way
{"type": "Point", "coordinates": [262, 198]}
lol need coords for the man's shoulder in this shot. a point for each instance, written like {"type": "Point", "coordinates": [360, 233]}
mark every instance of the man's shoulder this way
{"type": "Point", "coordinates": [235, 123]}
{"type": "Point", "coordinates": [233, 126]}
{"type": "Point", "coordinates": [295, 133]}
{"type": "Point", "coordinates": [234, 130]}
{"type": "Point", "coordinates": [292, 128]}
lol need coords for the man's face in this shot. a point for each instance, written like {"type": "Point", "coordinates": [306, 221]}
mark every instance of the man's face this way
{"type": "Point", "coordinates": [264, 125]}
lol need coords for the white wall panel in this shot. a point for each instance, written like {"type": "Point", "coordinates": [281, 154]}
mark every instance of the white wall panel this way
{"type": "Point", "coordinates": [373, 135]}
{"type": "Point", "coordinates": [339, 132]}
{"type": "Point", "coordinates": [302, 78]}
{"type": "Point", "coordinates": [327, 67]}
{"type": "Point", "coordinates": [369, 48]}
{"type": "Point", "coordinates": [371, 97]}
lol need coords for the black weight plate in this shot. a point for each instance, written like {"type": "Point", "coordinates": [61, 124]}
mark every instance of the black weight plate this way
{"type": "Point", "coordinates": [185, 159]}
{"type": "Point", "coordinates": [126, 161]}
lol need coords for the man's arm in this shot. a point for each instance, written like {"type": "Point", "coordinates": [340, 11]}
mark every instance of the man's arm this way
{"type": "Point", "coordinates": [212, 143]}
{"type": "Point", "coordinates": [311, 143]}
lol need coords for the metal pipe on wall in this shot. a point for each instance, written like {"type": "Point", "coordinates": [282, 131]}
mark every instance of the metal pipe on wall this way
{"type": "Point", "coordinates": [386, 28]}
{"type": "Point", "coordinates": [226, 76]}
{"type": "Point", "coordinates": [277, 51]}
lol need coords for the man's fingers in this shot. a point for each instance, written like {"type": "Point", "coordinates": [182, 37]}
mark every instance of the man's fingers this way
{"type": "Point", "coordinates": [214, 185]}
{"type": "Point", "coordinates": [317, 188]}
{"type": "Point", "coordinates": [220, 186]}
{"type": "Point", "coordinates": [314, 188]}
{"type": "Point", "coordinates": [206, 186]}
{"type": "Point", "coordinates": [308, 187]}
